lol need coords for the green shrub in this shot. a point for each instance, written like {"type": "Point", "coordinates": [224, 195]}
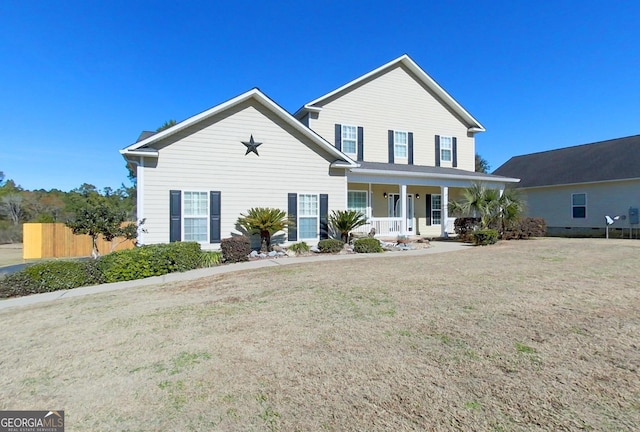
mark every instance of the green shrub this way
{"type": "Point", "coordinates": [150, 260]}
{"type": "Point", "coordinates": [465, 226]}
{"type": "Point", "coordinates": [210, 258]}
{"type": "Point", "coordinates": [300, 248]}
{"type": "Point", "coordinates": [330, 245]}
{"type": "Point", "coordinates": [525, 228]}
{"type": "Point", "coordinates": [485, 237]}
{"type": "Point", "coordinates": [50, 276]}
{"type": "Point", "coordinates": [367, 245]}
{"type": "Point", "coordinates": [235, 249]}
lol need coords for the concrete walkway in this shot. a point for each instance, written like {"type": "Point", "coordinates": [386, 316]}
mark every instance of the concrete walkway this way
{"type": "Point", "coordinates": [436, 247]}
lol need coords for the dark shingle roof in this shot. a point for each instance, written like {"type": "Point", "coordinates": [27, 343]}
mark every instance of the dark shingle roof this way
{"type": "Point", "coordinates": [614, 159]}
{"type": "Point", "coordinates": [144, 135]}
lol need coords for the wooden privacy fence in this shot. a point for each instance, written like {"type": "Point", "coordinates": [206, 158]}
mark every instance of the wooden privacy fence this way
{"type": "Point", "coordinates": [56, 240]}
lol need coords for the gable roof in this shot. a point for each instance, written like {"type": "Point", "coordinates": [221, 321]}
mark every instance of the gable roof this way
{"type": "Point", "coordinates": [142, 146]}
{"type": "Point", "coordinates": [473, 124]}
{"type": "Point", "coordinates": [615, 159]}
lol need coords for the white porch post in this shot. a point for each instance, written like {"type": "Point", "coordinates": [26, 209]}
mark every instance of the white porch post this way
{"type": "Point", "coordinates": [403, 197]}
{"type": "Point", "coordinates": [444, 191]}
{"type": "Point", "coordinates": [369, 203]}
{"type": "Point", "coordinates": [140, 197]}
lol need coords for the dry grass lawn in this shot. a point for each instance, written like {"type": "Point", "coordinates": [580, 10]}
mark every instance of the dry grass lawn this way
{"type": "Point", "coordinates": [10, 254]}
{"type": "Point", "coordinates": [540, 335]}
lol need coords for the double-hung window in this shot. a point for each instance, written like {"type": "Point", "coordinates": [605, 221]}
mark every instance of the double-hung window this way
{"type": "Point", "coordinates": [357, 200]}
{"type": "Point", "coordinates": [436, 209]}
{"type": "Point", "coordinates": [349, 139]}
{"type": "Point", "coordinates": [308, 216]}
{"type": "Point", "coordinates": [445, 149]}
{"type": "Point", "coordinates": [579, 205]}
{"type": "Point", "coordinates": [195, 216]}
{"type": "Point", "coordinates": [400, 144]}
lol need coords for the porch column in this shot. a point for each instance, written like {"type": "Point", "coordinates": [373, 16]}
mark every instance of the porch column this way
{"type": "Point", "coordinates": [444, 194]}
{"type": "Point", "coordinates": [403, 197]}
{"type": "Point", "coordinates": [369, 203]}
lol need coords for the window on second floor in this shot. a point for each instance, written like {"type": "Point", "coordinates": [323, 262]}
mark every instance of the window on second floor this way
{"type": "Point", "coordinates": [349, 139]}
{"type": "Point", "coordinates": [579, 205]}
{"type": "Point", "coordinates": [400, 144]}
{"type": "Point", "coordinates": [446, 149]}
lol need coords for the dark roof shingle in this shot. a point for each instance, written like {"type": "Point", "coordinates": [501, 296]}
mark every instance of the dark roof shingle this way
{"type": "Point", "coordinates": [615, 159]}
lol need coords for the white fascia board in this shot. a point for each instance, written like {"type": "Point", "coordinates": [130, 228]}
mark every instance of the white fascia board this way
{"type": "Point", "coordinates": [475, 125]}
{"type": "Point", "coordinates": [126, 152]}
{"type": "Point", "coordinates": [589, 183]}
{"type": "Point", "coordinates": [434, 176]}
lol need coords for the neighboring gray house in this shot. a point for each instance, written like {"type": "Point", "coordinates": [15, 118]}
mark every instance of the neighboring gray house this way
{"type": "Point", "coordinates": [391, 143]}
{"type": "Point", "coordinates": [574, 188]}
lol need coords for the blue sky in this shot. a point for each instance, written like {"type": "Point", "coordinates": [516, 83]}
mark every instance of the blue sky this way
{"type": "Point", "coordinates": [79, 80]}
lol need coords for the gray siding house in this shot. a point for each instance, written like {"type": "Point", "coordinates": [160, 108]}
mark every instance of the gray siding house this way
{"type": "Point", "coordinates": [574, 188]}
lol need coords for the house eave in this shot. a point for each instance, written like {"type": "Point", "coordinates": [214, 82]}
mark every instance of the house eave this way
{"type": "Point", "coordinates": [467, 177]}
{"type": "Point", "coordinates": [152, 153]}
{"type": "Point", "coordinates": [585, 183]}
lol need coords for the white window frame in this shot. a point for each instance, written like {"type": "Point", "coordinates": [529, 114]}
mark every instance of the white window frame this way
{"type": "Point", "coordinates": [435, 210]}
{"type": "Point", "coordinates": [204, 216]}
{"type": "Point", "coordinates": [366, 200]}
{"type": "Point", "coordinates": [304, 216]}
{"type": "Point", "coordinates": [400, 146]}
{"type": "Point", "coordinates": [448, 147]}
{"type": "Point", "coordinates": [346, 138]}
{"type": "Point", "coordinates": [574, 206]}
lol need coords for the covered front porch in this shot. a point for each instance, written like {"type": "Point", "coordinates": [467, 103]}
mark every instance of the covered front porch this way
{"type": "Point", "coordinates": [409, 200]}
{"type": "Point", "coordinates": [403, 210]}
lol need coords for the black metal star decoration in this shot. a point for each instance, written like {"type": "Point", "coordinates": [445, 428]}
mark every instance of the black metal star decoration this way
{"type": "Point", "coordinates": [252, 146]}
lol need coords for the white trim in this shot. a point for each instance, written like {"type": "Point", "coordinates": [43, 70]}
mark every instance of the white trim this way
{"type": "Point", "coordinates": [581, 183]}
{"type": "Point", "coordinates": [260, 98]}
{"type": "Point", "coordinates": [573, 206]}
{"type": "Point", "coordinates": [473, 124]}
{"type": "Point", "coordinates": [207, 217]}
{"type": "Point", "coordinates": [355, 141]}
{"type": "Point", "coordinates": [364, 171]}
{"type": "Point", "coordinates": [140, 198]}
{"type": "Point", "coordinates": [406, 144]}
{"type": "Point", "coordinates": [317, 237]}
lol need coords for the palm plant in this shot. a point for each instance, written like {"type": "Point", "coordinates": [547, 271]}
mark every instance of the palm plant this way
{"type": "Point", "coordinates": [489, 205]}
{"type": "Point", "coordinates": [345, 221]}
{"type": "Point", "coordinates": [266, 222]}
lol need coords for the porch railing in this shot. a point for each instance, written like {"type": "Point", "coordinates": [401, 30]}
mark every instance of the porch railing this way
{"type": "Point", "coordinates": [383, 226]}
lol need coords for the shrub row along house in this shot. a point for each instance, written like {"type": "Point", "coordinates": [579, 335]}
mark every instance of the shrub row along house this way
{"type": "Point", "coordinates": [391, 143]}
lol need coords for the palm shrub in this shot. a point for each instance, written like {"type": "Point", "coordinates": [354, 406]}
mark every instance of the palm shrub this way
{"type": "Point", "coordinates": [494, 210]}
{"type": "Point", "coordinates": [345, 221]}
{"type": "Point", "coordinates": [264, 221]}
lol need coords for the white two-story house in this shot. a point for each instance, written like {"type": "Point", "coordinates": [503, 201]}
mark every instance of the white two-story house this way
{"type": "Point", "coordinates": [391, 143]}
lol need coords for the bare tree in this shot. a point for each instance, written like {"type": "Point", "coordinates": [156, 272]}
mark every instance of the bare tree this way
{"type": "Point", "coordinates": [11, 205]}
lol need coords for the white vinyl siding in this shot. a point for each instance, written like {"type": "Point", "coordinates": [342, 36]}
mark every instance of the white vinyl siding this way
{"type": "Point", "coordinates": [349, 139]}
{"type": "Point", "coordinates": [579, 205]}
{"type": "Point", "coordinates": [395, 100]}
{"type": "Point", "coordinates": [357, 200]}
{"type": "Point", "coordinates": [213, 158]}
{"type": "Point", "coordinates": [400, 144]}
{"type": "Point", "coordinates": [308, 217]}
{"type": "Point", "coordinates": [195, 216]}
{"type": "Point", "coordinates": [436, 209]}
{"type": "Point", "coordinates": [446, 147]}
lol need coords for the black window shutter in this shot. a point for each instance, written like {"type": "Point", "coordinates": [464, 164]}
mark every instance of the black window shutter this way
{"type": "Point", "coordinates": [324, 216]}
{"type": "Point", "coordinates": [410, 148]}
{"type": "Point", "coordinates": [360, 143]}
{"type": "Point", "coordinates": [391, 151]}
{"type": "Point", "coordinates": [292, 230]}
{"type": "Point", "coordinates": [454, 151]}
{"type": "Point", "coordinates": [427, 198]}
{"type": "Point", "coordinates": [175, 215]}
{"type": "Point", "coordinates": [214, 214]}
{"type": "Point", "coordinates": [437, 150]}
{"type": "Point", "coordinates": [339, 137]}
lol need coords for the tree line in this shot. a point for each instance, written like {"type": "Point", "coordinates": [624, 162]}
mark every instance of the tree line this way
{"type": "Point", "coordinates": [19, 205]}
